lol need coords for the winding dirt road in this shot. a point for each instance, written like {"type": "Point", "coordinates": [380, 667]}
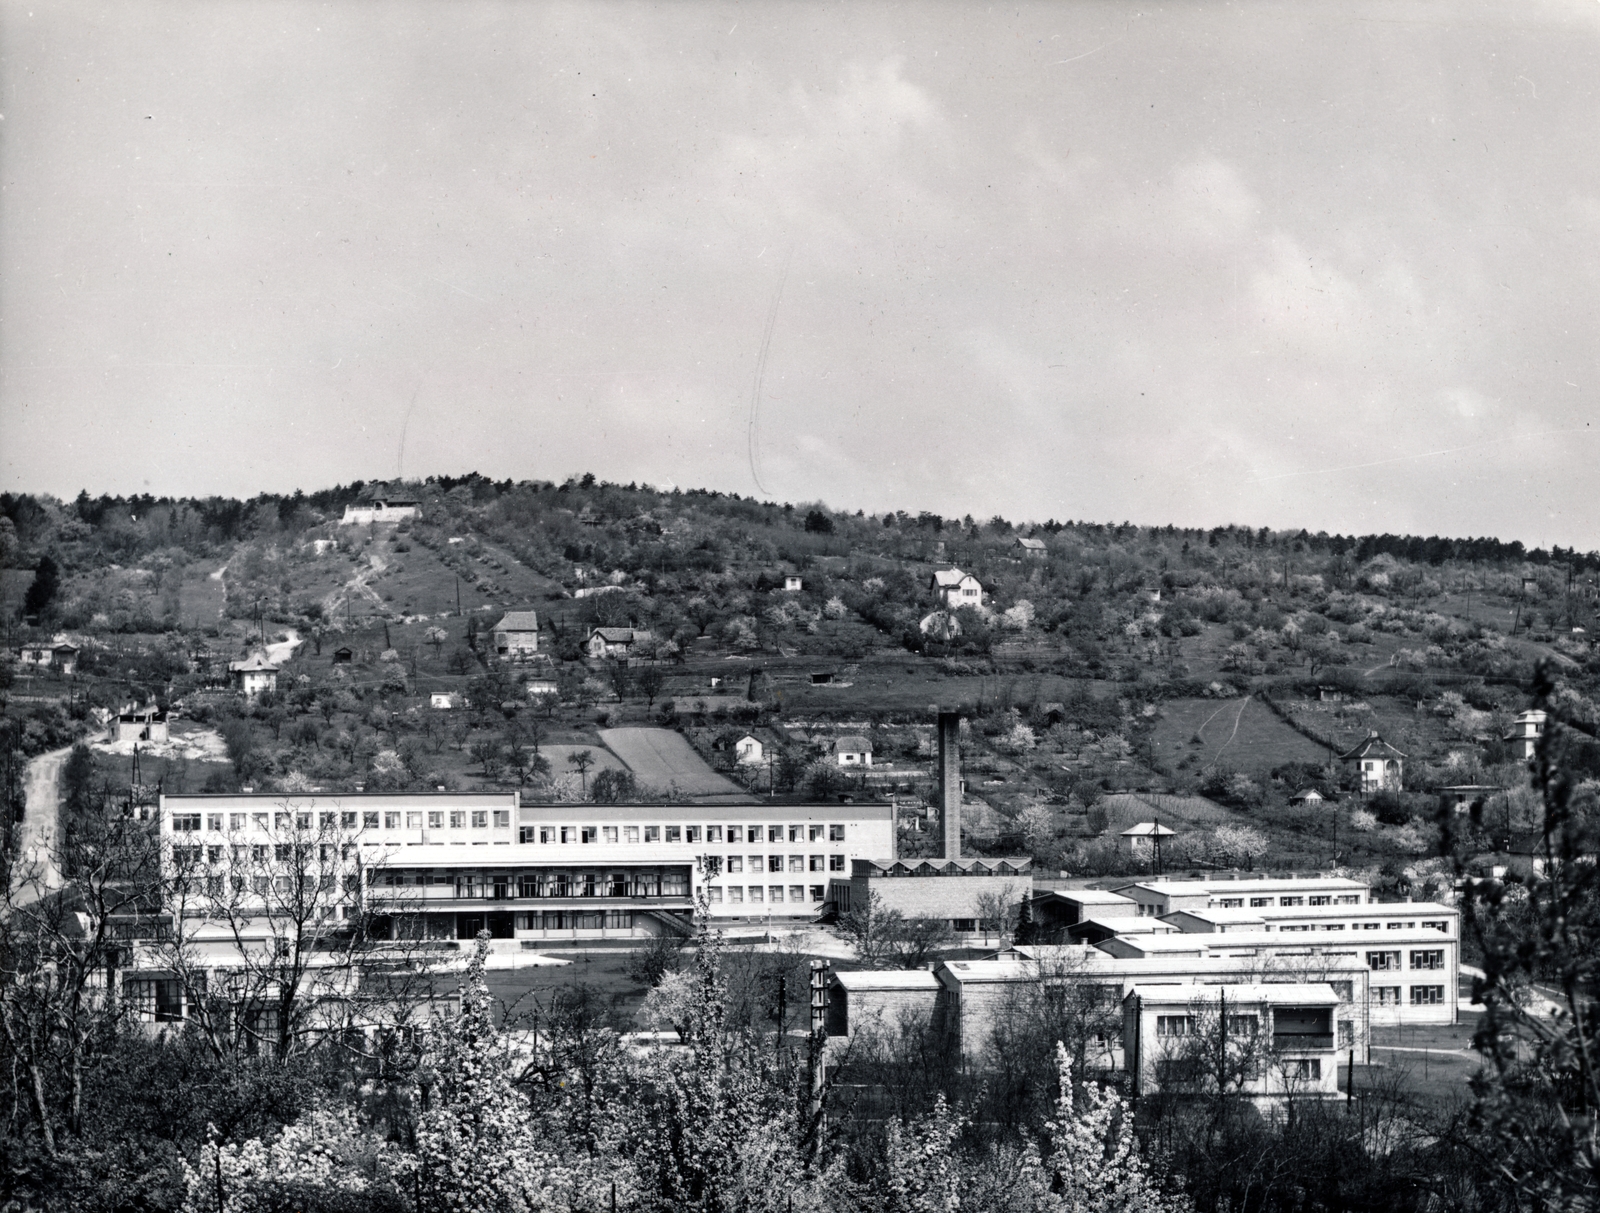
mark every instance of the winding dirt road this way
{"type": "Point", "coordinates": [36, 871]}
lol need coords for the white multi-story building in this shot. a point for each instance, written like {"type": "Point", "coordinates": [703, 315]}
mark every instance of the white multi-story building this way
{"type": "Point", "coordinates": [1158, 898]}
{"type": "Point", "coordinates": [447, 865]}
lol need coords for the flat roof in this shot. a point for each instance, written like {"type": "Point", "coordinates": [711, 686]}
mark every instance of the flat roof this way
{"type": "Point", "coordinates": [258, 800]}
{"type": "Point", "coordinates": [1371, 909]}
{"type": "Point", "coordinates": [1091, 897]}
{"type": "Point", "coordinates": [888, 979]}
{"type": "Point", "coordinates": [1268, 992]}
{"type": "Point", "coordinates": [1377, 941]}
{"type": "Point", "coordinates": [1265, 884]}
{"type": "Point", "coordinates": [1069, 961]}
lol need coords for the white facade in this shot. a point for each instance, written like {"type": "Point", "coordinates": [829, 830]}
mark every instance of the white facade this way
{"type": "Point", "coordinates": [1525, 733]}
{"type": "Point", "coordinates": [446, 865]}
{"type": "Point", "coordinates": [748, 751]}
{"type": "Point", "coordinates": [953, 588]}
{"type": "Point", "coordinates": [378, 511]}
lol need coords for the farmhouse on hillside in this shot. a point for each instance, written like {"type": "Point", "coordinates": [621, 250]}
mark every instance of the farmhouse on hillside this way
{"type": "Point", "coordinates": [254, 675]}
{"type": "Point", "coordinates": [60, 657]}
{"type": "Point", "coordinates": [615, 642]}
{"type": "Point", "coordinates": [748, 751]}
{"type": "Point", "coordinates": [1379, 765]}
{"type": "Point", "coordinates": [516, 636]}
{"type": "Point", "coordinates": [1145, 838]}
{"type": "Point", "coordinates": [1031, 549]}
{"type": "Point", "coordinates": [953, 588]}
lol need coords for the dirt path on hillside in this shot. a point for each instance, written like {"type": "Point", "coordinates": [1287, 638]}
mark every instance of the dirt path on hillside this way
{"type": "Point", "coordinates": [1238, 716]}
{"type": "Point", "coordinates": [282, 650]}
{"type": "Point", "coordinates": [357, 585]}
{"type": "Point", "coordinates": [36, 871]}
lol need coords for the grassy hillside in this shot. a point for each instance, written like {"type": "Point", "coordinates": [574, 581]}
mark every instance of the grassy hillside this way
{"type": "Point", "coordinates": [1232, 663]}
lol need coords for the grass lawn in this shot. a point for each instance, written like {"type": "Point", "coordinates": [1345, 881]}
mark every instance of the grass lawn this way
{"type": "Point", "coordinates": [1242, 734]}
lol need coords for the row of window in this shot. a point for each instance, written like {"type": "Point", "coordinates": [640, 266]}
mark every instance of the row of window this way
{"type": "Point", "coordinates": [559, 835]}
{"type": "Point", "coordinates": [283, 852]}
{"type": "Point", "coordinates": [527, 885]}
{"type": "Point", "coordinates": [770, 894]}
{"type": "Point", "coordinates": [576, 920]}
{"type": "Point", "coordinates": [1291, 899]}
{"type": "Point", "coordinates": [1438, 924]}
{"type": "Point", "coordinates": [1421, 996]}
{"type": "Point", "coordinates": [1427, 958]}
{"type": "Point", "coordinates": [482, 819]}
{"type": "Point", "coordinates": [347, 819]}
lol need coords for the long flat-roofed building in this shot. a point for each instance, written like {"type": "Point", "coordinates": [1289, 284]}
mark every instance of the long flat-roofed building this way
{"type": "Point", "coordinates": [446, 865]}
{"type": "Point", "coordinates": [1159, 897]}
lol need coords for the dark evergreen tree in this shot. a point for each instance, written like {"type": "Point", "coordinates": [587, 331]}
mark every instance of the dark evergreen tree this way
{"type": "Point", "coordinates": [42, 591]}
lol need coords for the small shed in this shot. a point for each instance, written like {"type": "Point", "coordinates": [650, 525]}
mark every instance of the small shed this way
{"type": "Point", "coordinates": [443, 701]}
{"type": "Point", "coordinates": [140, 724]}
{"type": "Point", "coordinates": [343, 655]}
{"type": "Point", "coordinates": [1144, 838]}
{"type": "Point", "coordinates": [748, 751]}
{"type": "Point", "coordinates": [792, 584]}
{"type": "Point", "coordinates": [1307, 796]}
{"type": "Point", "coordinates": [853, 750]}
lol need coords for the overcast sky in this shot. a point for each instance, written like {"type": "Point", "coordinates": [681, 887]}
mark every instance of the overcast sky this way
{"type": "Point", "coordinates": [1328, 265]}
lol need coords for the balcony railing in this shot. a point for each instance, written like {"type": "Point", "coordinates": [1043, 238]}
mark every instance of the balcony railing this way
{"type": "Point", "coordinates": [509, 893]}
{"type": "Point", "coordinates": [1293, 1042]}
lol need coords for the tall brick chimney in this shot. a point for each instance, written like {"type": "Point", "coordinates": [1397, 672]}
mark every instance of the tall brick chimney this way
{"type": "Point", "coordinates": [950, 784]}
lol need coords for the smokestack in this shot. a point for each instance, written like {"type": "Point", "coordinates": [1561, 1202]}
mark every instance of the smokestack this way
{"type": "Point", "coordinates": [950, 784]}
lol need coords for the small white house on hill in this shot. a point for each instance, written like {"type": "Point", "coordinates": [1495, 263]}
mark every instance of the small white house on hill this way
{"type": "Point", "coordinates": [1525, 733]}
{"type": "Point", "coordinates": [378, 511]}
{"type": "Point", "coordinates": [953, 588]}
{"type": "Point", "coordinates": [516, 636]}
{"type": "Point", "coordinates": [748, 751]}
{"type": "Point", "coordinates": [853, 751]}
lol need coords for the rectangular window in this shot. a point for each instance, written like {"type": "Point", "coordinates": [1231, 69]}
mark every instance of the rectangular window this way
{"type": "Point", "coordinates": [609, 833]}
{"type": "Point", "coordinates": [369, 819]}
{"type": "Point", "coordinates": [796, 833]}
{"type": "Point", "coordinates": [526, 834]}
{"type": "Point", "coordinates": [755, 892]}
{"type": "Point", "coordinates": [1257, 902]}
{"type": "Point", "coordinates": [589, 834]}
{"type": "Point", "coordinates": [817, 863]}
{"type": "Point", "coordinates": [214, 855]}
{"type": "Point", "coordinates": [1430, 959]}
{"type": "Point", "coordinates": [1347, 1034]}
{"type": "Point", "coordinates": [630, 833]}
{"type": "Point", "coordinates": [547, 834]}
{"type": "Point", "coordinates": [1397, 926]}
{"type": "Point", "coordinates": [1230, 903]}
{"type": "Point", "coordinates": [835, 863]}
{"type": "Point", "coordinates": [502, 818]}
{"type": "Point", "coordinates": [774, 863]}
{"type": "Point", "coordinates": [391, 821]}
{"type": "Point", "coordinates": [480, 819]}
{"type": "Point", "coordinates": [813, 832]}
{"type": "Point", "coordinates": [836, 833]}
{"type": "Point", "coordinates": [1319, 901]}
{"type": "Point", "coordinates": [691, 833]}
{"type": "Point", "coordinates": [1436, 926]}
{"type": "Point", "coordinates": [435, 819]}
{"type": "Point", "coordinates": [1349, 899]}
{"type": "Point", "coordinates": [214, 822]}
{"type": "Point", "coordinates": [735, 863]}
{"type": "Point", "coordinates": [652, 833]}
{"type": "Point", "coordinates": [817, 892]}
{"type": "Point", "coordinates": [619, 920]}
{"type": "Point", "coordinates": [751, 834]}
{"type": "Point", "coordinates": [797, 863]}
{"type": "Point", "coordinates": [960, 925]}
{"type": "Point", "coordinates": [713, 833]}
{"type": "Point", "coordinates": [1427, 996]}
{"type": "Point", "coordinates": [1243, 1025]}
{"type": "Point", "coordinates": [756, 865]}
{"type": "Point", "coordinates": [185, 823]}
{"type": "Point", "coordinates": [1370, 926]}
{"type": "Point", "coordinates": [774, 833]}
{"type": "Point", "coordinates": [1174, 1025]}
{"type": "Point", "coordinates": [714, 895]}
{"type": "Point", "coordinates": [1383, 962]}
{"type": "Point", "coordinates": [236, 821]}
{"type": "Point", "coordinates": [347, 820]}
{"type": "Point", "coordinates": [1308, 1069]}
{"type": "Point", "coordinates": [458, 819]}
{"type": "Point", "coordinates": [775, 893]}
{"type": "Point", "coordinates": [674, 834]}
{"type": "Point", "coordinates": [735, 895]}
{"type": "Point", "coordinates": [1291, 901]}
{"type": "Point", "coordinates": [569, 834]}
{"type": "Point", "coordinates": [1386, 996]}
{"type": "Point", "coordinates": [414, 820]}
{"type": "Point", "coordinates": [280, 821]}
